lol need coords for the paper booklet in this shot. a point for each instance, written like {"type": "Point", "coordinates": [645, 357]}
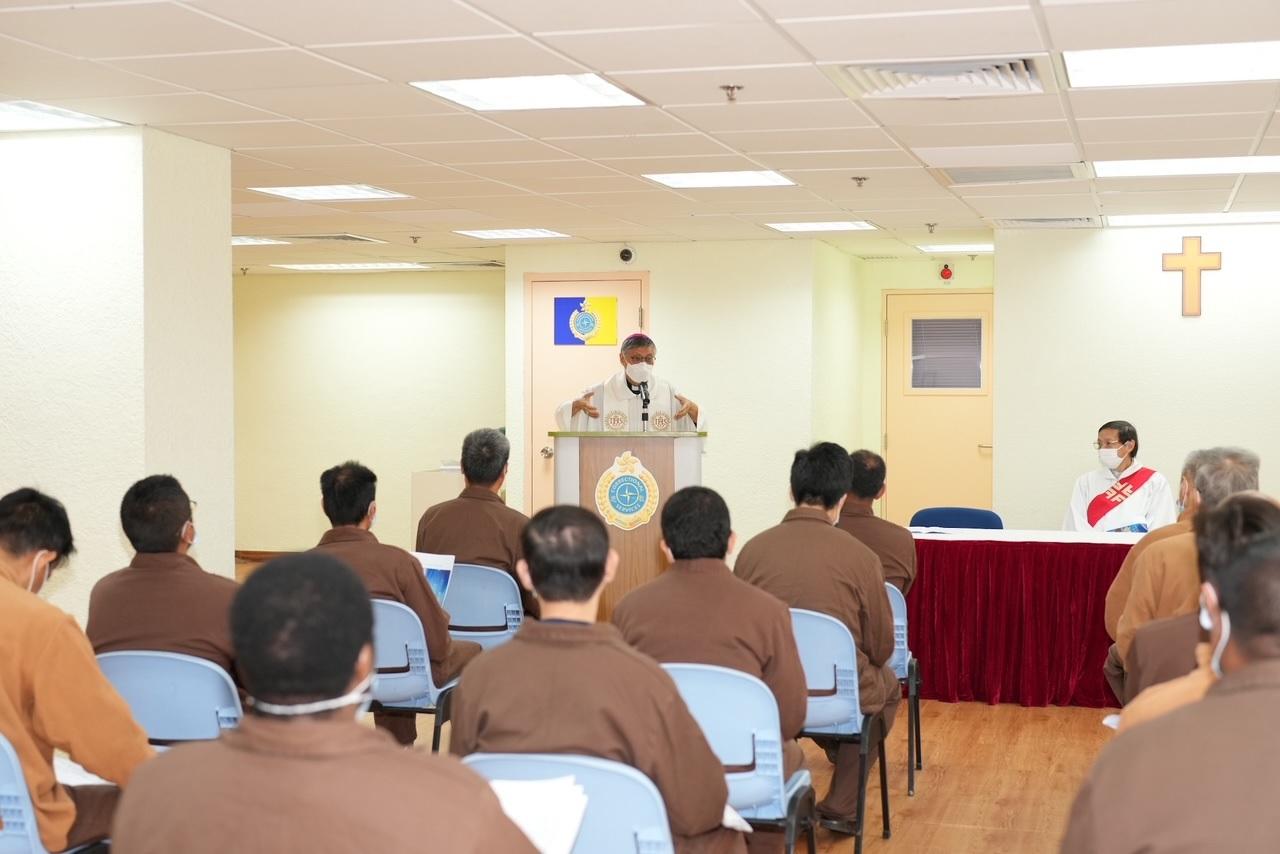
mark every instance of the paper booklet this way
{"type": "Point", "coordinates": [439, 569]}
{"type": "Point", "coordinates": [549, 812]}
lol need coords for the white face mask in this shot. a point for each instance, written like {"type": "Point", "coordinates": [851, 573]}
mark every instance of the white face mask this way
{"type": "Point", "coordinates": [358, 696]}
{"type": "Point", "coordinates": [195, 533]}
{"type": "Point", "coordinates": [641, 372]}
{"type": "Point", "coordinates": [1110, 458]}
{"type": "Point", "coordinates": [1206, 623]}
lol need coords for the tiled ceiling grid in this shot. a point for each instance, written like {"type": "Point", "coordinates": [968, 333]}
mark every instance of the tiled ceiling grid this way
{"type": "Point", "coordinates": [315, 92]}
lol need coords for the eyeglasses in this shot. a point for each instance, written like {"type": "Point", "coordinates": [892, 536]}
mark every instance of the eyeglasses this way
{"type": "Point", "coordinates": [636, 358]}
{"type": "Point", "coordinates": [1098, 446]}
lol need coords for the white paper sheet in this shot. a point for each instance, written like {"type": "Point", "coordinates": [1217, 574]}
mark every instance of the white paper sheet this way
{"type": "Point", "coordinates": [1112, 721]}
{"type": "Point", "coordinates": [549, 812]}
{"type": "Point", "coordinates": [70, 773]}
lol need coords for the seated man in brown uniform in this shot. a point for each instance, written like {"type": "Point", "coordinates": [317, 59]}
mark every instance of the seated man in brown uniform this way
{"type": "Point", "coordinates": [698, 611]}
{"type": "Point", "coordinates": [477, 527]}
{"type": "Point", "coordinates": [893, 544]}
{"type": "Point", "coordinates": [300, 773]}
{"type": "Point", "coordinates": [569, 685]}
{"type": "Point", "coordinates": [348, 494]}
{"type": "Point", "coordinates": [52, 693]}
{"type": "Point", "coordinates": [1201, 778]}
{"type": "Point", "coordinates": [808, 563]}
{"type": "Point", "coordinates": [163, 600]}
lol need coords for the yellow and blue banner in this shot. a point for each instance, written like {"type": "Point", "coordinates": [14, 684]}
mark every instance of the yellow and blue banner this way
{"type": "Point", "coordinates": [592, 321]}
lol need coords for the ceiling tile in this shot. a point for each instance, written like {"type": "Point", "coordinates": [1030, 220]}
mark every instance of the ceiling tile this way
{"type": "Point", "coordinates": [1168, 148]}
{"type": "Point", "coordinates": [706, 163]}
{"type": "Point", "coordinates": [1172, 202]}
{"type": "Point", "coordinates": [571, 187]}
{"type": "Point", "coordinates": [1034, 206]}
{"type": "Point", "coordinates": [312, 22]}
{"type": "Point", "coordinates": [447, 218]}
{"type": "Point", "coordinates": [335, 157]}
{"type": "Point", "coordinates": [1166, 182]}
{"type": "Point", "coordinates": [181, 108]}
{"type": "Point", "coordinates": [1073, 187]}
{"type": "Point", "coordinates": [1008, 31]}
{"type": "Point", "coordinates": [450, 60]}
{"type": "Point", "coordinates": [269, 209]}
{"type": "Point", "coordinates": [678, 47]}
{"type": "Point", "coordinates": [849, 161]}
{"type": "Point", "coordinates": [1259, 189]}
{"type": "Point", "coordinates": [237, 135]}
{"type": "Point", "coordinates": [446, 128]}
{"type": "Point", "coordinates": [836, 8]}
{"type": "Point", "coordinates": [773, 116]}
{"type": "Point", "coordinates": [832, 139]}
{"type": "Point", "coordinates": [999, 155]}
{"type": "Point", "coordinates": [1075, 26]}
{"type": "Point", "coordinates": [342, 102]}
{"type": "Point", "coordinates": [226, 72]}
{"type": "Point", "coordinates": [840, 181]}
{"type": "Point", "coordinates": [604, 121]}
{"type": "Point", "coordinates": [555, 15]}
{"type": "Point", "coordinates": [550, 169]}
{"type": "Point", "coordinates": [33, 73]}
{"type": "Point", "coordinates": [1270, 145]}
{"type": "Point", "coordinates": [93, 32]}
{"type": "Point", "coordinates": [1174, 100]}
{"type": "Point", "coordinates": [702, 86]}
{"type": "Point", "coordinates": [496, 151]}
{"type": "Point", "coordinates": [1008, 133]}
{"type": "Point", "coordinates": [1220, 126]}
{"type": "Point", "coordinates": [461, 189]}
{"type": "Point", "coordinates": [674, 145]}
{"type": "Point", "coordinates": [939, 111]}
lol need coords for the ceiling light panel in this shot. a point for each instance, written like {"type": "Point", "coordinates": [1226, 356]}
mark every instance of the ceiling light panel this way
{"type": "Point", "coordinates": [511, 233]}
{"type": "Point", "coordinates": [1243, 165]}
{"type": "Point", "coordinates": [689, 180]}
{"type": "Point", "coordinates": [956, 248]}
{"type": "Point", "coordinates": [247, 240]}
{"type": "Point", "coordinates": [1229, 218]}
{"type": "Point", "coordinates": [332, 192]}
{"type": "Point", "coordinates": [850, 225]}
{"type": "Point", "coordinates": [32, 116]}
{"type": "Point", "coordinates": [1173, 65]}
{"type": "Point", "coordinates": [541, 92]}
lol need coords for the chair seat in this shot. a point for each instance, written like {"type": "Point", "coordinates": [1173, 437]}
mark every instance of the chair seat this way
{"type": "Point", "coordinates": [836, 714]}
{"type": "Point", "coordinates": [899, 663]}
{"type": "Point", "coordinates": [748, 791]}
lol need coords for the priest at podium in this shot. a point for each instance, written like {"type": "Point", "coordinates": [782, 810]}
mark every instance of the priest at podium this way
{"type": "Point", "coordinates": [632, 400]}
{"type": "Point", "coordinates": [1121, 495]}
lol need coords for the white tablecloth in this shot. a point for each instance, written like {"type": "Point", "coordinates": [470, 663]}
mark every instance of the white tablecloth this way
{"type": "Point", "coordinates": [1015, 536]}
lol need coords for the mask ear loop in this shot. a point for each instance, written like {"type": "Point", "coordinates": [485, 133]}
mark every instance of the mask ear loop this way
{"type": "Point", "coordinates": [1216, 662]}
{"type": "Point", "coordinates": [31, 582]}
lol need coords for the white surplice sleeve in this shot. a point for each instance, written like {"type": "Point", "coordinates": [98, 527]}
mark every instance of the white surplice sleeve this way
{"type": "Point", "coordinates": [1162, 509]}
{"type": "Point", "coordinates": [1077, 518]}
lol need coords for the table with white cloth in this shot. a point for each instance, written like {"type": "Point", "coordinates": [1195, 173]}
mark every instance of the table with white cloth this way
{"type": "Point", "coordinates": [1006, 616]}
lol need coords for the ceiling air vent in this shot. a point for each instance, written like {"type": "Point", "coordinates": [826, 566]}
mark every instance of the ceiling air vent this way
{"type": "Point", "coordinates": [970, 78]}
{"type": "Point", "coordinates": [1050, 222]}
{"type": "Point", "coordinates": [342, 238]}
{"type": "Point", "coordinates": [878, 257]}
{"type": "Point", "coordinates": [963, 175]}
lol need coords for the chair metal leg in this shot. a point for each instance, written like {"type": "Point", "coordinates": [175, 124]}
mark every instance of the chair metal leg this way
{"type": "Point", "coordinates": [809, 817]}
{"type": "Point", "coordinates": [443, 713]}
{"type": "Point", "coordinates": [884, 783]}
{"type": "Point", "coordinates": [911, 744]}
{"type": "Point", "coordinates": [914, 691]}
{"type": "Point", "coordinates": [864, 773]}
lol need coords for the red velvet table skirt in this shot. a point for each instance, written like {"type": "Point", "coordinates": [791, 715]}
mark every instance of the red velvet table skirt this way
{"type": "Point", "coordinates": [1003, 622]}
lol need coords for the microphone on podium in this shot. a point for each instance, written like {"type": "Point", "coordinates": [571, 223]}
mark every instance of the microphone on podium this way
{"type": "Point", "coordinates": [644, 407]}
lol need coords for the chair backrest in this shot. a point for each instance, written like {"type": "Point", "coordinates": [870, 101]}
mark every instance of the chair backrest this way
{"type": "Point", "coordinates": [830, 661]}
{"type": "Point", "coordinates": [19, 833]}
{"type": "Point", "coordinates": [625, 811]}
{"type": "Point", "coordinates": [739, 716]}
{"type": "Point", "coordinates": [956, 517]}
{"type": "Point", "coordinates": [901, 651]}
{"type": "Point", "coordinates": [174, 697]}
{"type": "Point", "coordinates": [402, 667]}
{"type": "Point", "coordinates": [483, 604]}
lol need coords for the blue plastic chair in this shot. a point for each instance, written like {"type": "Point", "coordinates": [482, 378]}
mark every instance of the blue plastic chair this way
{"type": "Point", "coordinates": [174, 697]}
{"type": "Point", "coordinates": [625, 811]}
{"type": "Point", "coordinates": [484, 605]}
{"type": "Point", "coordinates": [956, 517]}
{"type": "Point", "coordinates": [739, 716]}
{"type": "Point", "coordinates": [907, 669]}
{"type": "Point", "coordinates": [19, 832]}
{"type": "Point", "coordinates": [830, 661]}
{"type": "Point", "coordinates": [402, 668]}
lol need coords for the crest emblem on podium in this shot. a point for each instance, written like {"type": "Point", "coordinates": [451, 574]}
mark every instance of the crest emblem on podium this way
{"type": "Point", "coordinates": [627, 494]}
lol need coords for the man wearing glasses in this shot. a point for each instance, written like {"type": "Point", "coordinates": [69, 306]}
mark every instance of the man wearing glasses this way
{"type": "Point", "coordinates": [1121, 495]}
{"type": "Point", "coordinates": [632, 400]}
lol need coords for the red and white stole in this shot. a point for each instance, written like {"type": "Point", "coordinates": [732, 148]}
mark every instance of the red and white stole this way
{"type": "Point", "coordinates": [1105, 502]}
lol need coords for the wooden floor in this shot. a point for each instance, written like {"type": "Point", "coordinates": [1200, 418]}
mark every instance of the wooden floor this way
{"type": "Point", "coordinates": [996, 780]}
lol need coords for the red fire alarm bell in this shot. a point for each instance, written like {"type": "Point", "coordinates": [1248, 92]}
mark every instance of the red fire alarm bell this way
{"type": "Point", "coordinates": [945, 273]}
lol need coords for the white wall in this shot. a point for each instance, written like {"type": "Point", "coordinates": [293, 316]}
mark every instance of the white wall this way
{"type": "Point", "coordinates": [391, 369]}
{"type": "Point", "coordinates": [95, 296]}
{"type": "Point", "coordinates": [1089, 329]}
{"type": "Point", "coordinates": [837, 375]}
{"type": "Point", "coordinates": [724, 314]}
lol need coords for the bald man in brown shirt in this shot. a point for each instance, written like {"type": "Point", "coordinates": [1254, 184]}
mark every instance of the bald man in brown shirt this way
{"type": "Point", "coordinates": [163, 600]}
{"type": "Point", "coordinates": [699, 612]}
{"type": "Point", "coordinates": [893, 544]}
{"type": "Point", "coordinates": [348, 493]}
{"type": "Point", "coordinates": [300, 774]}
{"type": "Point", "coordinates": [477, 527]}
{"type": "Point", "coordinates": [808, 563]}
{"type": "Point", "coordinates": [569, 685]}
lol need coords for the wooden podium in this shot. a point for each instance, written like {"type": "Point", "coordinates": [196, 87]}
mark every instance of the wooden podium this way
{"type": "Point", "coordinates": [625, 478]}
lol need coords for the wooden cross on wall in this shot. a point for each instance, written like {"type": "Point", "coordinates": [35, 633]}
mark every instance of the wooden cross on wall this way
{"type": "Point", "coordinates": [1191, 262]}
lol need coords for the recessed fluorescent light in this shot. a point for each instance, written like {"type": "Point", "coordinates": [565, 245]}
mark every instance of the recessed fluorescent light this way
{"type": "Point", "coordinates": [384, 265]}
{"type": "Point", "coordinates": [511, 233]}
{"type": "Point", "coordinates": [543, 92]}
{"type": "Point", "coordinates": [245, 240]}
{"type": "Point", "coordinates": [28, 115]}
{"type": "Point", "coordinates": [332, 193]}
{"type": "Point", "coordinates": [1173, 65]}
{"type": "Point", "coordinates": [1244, 165]}
{"type": "Point", "coordinates": [855, 225]}
{"type": "Point", "coordinates": [1231, 218]}
{"type": "Point", "coordinates": [689, 180]}
{"type": "Point", "coordinates": [957, 248]}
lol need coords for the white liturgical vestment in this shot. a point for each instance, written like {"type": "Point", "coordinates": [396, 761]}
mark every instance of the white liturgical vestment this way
{"type": "Point", "coordinates": [621, 408]}
{"type": "Point", "coordinates": [1127, 508]}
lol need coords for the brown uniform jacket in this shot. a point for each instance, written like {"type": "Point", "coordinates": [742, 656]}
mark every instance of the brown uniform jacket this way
{"type": "Point", "coordinates": [1118, 592]}
{"type": "Point", "coordinates": [1160, 651]}
{"type": "Point", "coordinates": [54, 697]}
{"type": "Point", "coordinates": [698, 612]}
{"type": "Point", "coordinates": [893, 544]}
{"type": "Point", "coordinates": [808, 563]}
{"type": "Point", "coordinates": [1166, 583]}
{"type": "Point", "coordinates": [477, 527]}
{"type": "Point", "coordinates": [575, 688]}
{"type": "Point", "coordinates": [1201, 778]}
{"type": "Point", "coordinates": [392, 573]}
{"type": "Point", "coordinates": [309, 785]}
{"type": "Point", "coordinates": [164, 602]}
